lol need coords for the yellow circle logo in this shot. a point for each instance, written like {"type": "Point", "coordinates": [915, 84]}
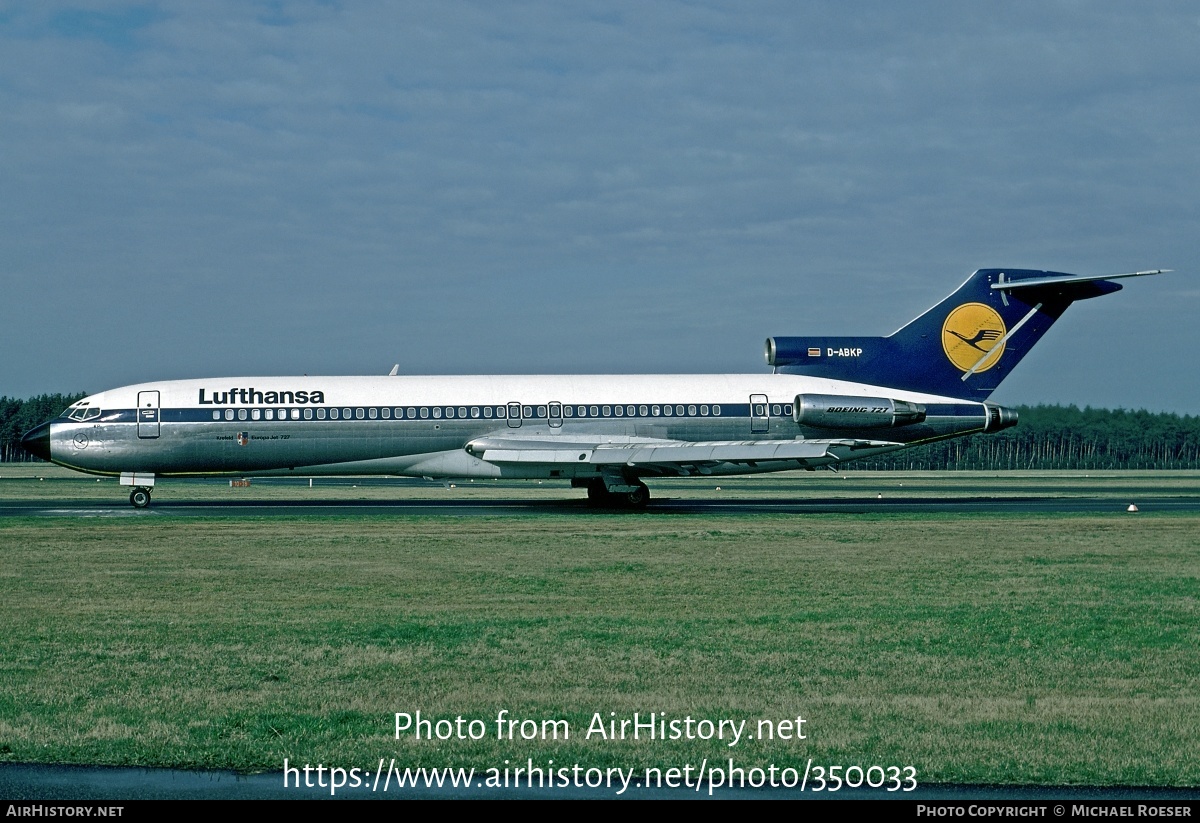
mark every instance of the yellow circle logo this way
{"type": "Point", "coordinates": [970, 335]}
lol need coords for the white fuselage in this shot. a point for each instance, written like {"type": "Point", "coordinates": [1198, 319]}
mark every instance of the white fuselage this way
{"type": "Point", "coordinates": [425, 426]}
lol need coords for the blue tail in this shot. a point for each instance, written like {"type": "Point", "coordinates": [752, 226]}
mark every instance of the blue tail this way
{"type": "Point", "coordinates": [962, 347]}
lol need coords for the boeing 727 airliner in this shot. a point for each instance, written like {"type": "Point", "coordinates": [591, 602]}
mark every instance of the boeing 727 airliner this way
{"type": "Point", "coordinates": [827, 400]}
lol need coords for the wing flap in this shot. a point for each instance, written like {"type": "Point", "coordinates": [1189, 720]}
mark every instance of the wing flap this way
{"type": "Point", "coordinates": [650, 453]}
{"type": "Point", "coordinates": [714, 452]}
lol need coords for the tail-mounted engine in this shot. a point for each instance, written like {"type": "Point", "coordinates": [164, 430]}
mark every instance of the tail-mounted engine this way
{"type": "Point", "coordinates": [831, 411]}
{"type": "Point", "coordinates": [999, 418]}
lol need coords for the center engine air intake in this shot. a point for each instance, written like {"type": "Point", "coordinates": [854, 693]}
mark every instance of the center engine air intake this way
{"type": "Point", "coordinates": [831, 411]}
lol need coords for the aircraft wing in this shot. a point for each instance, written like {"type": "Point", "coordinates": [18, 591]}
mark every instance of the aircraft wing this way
{"type": "Point", "coordinates": [668, 456]}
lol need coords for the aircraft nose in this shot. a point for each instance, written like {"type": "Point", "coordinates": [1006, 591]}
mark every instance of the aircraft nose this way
{"type": "Point", "coordinates": [37, 441]}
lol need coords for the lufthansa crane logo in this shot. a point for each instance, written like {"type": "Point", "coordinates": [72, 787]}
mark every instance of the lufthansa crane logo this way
{"type": "Point", "coordinates": [970, 336]}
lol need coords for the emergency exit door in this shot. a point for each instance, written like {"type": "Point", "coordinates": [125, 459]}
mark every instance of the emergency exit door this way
{"type": "Point", "coordinates": [760, 413]}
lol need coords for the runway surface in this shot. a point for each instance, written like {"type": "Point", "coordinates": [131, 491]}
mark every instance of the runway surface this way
{"type": "Point", "coordinates": [662, 506]}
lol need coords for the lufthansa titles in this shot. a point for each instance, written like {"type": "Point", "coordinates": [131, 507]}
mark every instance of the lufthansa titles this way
{"type": "Point", "coordinates": [255, 397]}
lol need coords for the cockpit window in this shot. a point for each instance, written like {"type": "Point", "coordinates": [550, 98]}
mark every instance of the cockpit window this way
{"type": "Point", "coordinates": [82, 411]}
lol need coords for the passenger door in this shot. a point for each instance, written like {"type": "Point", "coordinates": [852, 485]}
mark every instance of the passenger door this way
{"type": "Point", "coordinates": [147, 415]}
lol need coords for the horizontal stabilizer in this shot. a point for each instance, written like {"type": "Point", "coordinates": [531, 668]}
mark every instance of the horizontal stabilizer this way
{"type": "Point", "coordinates": [1053, 279]}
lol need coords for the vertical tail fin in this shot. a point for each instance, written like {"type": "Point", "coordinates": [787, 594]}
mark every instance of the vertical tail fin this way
{"type": "Point", "coordinates": [962, 347]}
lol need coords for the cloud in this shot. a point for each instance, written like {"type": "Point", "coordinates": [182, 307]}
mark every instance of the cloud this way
{"type": "Point", "coordinates": [602, 186]}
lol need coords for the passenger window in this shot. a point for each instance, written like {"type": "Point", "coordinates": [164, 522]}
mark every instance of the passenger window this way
{"type": "Point", "coordinates": [655, 410]}
{"type": "Point", "coordinates": [346, 414]}
{"type": "Point", "coordinates": [462, 411]}
{"type": "Point", "coordinates": [594, 411]}
{"type": "Point", "coordinates": [229, 414]}
{"type": "Point", "coordinates": [704, 411]}
{"type": "Point", "coordinates": [487, 411]}
{"type": "Point", "coordinates": [629, 410]}
{"type": "Point", "coordinates": [643, 411]}
{"type": "Point", "coordinates": [372, 412]}
{"type": "Point", "coordinates": [541, 411]}
{"type": "Point", "coordinates": [607, 411]}
{"type": "Point", "coordinates": [692, 411]}
{"type": "Point", "coordinates": [217, 414]}
{"type": "Point", "coordinates": [412, 414]}
{"type": "Point", "coordinates": [787, 409]}
{"type": "Point", "coordinates": [776, 410]}
{"type": "Point", "coordinates": [295, 414]}
{"type": "Point", "coordinates": [618, 411]}
{"type": "Point", "coordinates": [568, 411]}
{"type": "Point", "coordinates": [241, 414]}
{"type": "Point", "coordinates": [424, 412]}
{"type": "Point", "coordinates": [270, 414]}
{"type": "Point", "coordinates": [333, 414]}
{"type": "Point", "coordinates": [475, 411]}
{"type": "Point", "coordinates": [437, 412]}
{"type": "Point", "coordinates": [308, 414]}
{"type": "Point", "coordinates": [321, 414]}
{"type": "Point", "coordinates": [667, 411]}
{"type": "Point", "coordinates": [717, 411]}
{"type": "Point", "coordinates": [450, 411]}
{"type": "Point", "coordinates": [527, 411]}
{"type": "Point", "coordinates": [255, 414]}
{"type": "Point", "coordinates": [387, 413]}
{"type": "Point", "coordinates": [358, 414]}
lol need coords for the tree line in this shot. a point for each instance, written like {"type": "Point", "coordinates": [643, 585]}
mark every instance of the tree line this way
{"type": "Point", "coordinates": [1063, 437]}
{"type": "Point", "coordinates": [19, 416]}
{"type": "Point", "coordinates": [1047, 437]}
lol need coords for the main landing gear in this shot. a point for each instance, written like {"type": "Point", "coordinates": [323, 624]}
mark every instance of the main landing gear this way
{"type": "Point", "coordinates": [140, 497]}
{"type": "Point", "coordinates": [637, 496]}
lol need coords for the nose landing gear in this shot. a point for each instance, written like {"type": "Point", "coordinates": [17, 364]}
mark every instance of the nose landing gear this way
{"type": "Point", "coordinates": [142, 483]}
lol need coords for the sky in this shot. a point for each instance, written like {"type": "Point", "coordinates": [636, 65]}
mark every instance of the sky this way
{"type": "Point", "coordinates": [239, 188]}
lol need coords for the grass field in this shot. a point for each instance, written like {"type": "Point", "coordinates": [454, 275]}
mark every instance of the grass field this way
{"type": "Point", "coordinates": [1055, 649]}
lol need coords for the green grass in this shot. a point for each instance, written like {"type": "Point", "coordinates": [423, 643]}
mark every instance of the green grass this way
{"type": "Point", "coordinates": [978, 648]}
